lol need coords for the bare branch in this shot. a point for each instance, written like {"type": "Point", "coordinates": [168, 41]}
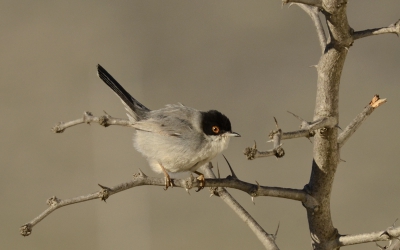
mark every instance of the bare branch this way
{"type": "Point", "coordinates": [307, 130]}
{"type": "Point", "coordinates": [140, 179]}
{"type": "Point", "coordinates": [313, 13]}
{"type": "Point", "coordinates": [393, 28]}
{"type": "Point", "coordinates": [393, 245]}
{"type": "Point", "coordinates": [346, 240]}
{"type": "Point", "coordinates": [55, 203]}
{"type": "Point", "coordinates": [360, 118]}
{"type": "Point", "coordinates": [266, 239]}
{"type": "Point", "coordinates": [275, 136]}
{"type": "Point", "coordinates": [252, 153]}
{"type": "Point", "coordinates": [316, 3]}
{"type": "Point", "coordinates": [105, 120]}
{"type": "Point", "coordinates": [297, 134]}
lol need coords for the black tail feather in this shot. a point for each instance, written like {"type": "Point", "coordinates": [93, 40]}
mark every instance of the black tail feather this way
{"type": "Point", "coordinates": [120, 91]}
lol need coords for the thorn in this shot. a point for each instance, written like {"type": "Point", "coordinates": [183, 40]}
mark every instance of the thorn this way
{"type": "Point", "coordinates": [298, 117]}
{"type": "Point", "coordinates": [337, 126]}
{"type": "Point", "coordinates": [187, 190]}
{"type": "Point", "coordinates": [394, 223]}
{"type": "Point", "coordinates": [313, 66]}
{"type": "Point", "coordinates": [142, 174]}
{"type": "Point", "coordinates": [277, 229]}
{"type": "Point", "coordinates": [103, 187]}
{"type": "Point", "coordinates": [252, 200]}
{"type": "Point", "coordinates": [343, 160]}
{"type": "Point", "coordinates": [317, 122]}
{"type": "Point", "coordinates": [104, 194]}
{"type": "Point", "coordinates": [219, 176]}
{"type": "Point", "coordinates": [229, 165]}
{"type": "Point", "coordinates": [255, 144]}
{"type": "Point", "coordinates": [276, 123]}
{"type": "Point", "coordinates": [87, 113]}
{"type": "Point", "coordinates": [309, 139]}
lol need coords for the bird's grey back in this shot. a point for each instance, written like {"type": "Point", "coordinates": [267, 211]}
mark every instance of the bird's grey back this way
{"type": "Point", "coordinates": [172, 120]}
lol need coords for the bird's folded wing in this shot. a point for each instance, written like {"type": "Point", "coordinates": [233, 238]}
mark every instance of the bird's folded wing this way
{"type": "Point", "coordinates": [170, 126]}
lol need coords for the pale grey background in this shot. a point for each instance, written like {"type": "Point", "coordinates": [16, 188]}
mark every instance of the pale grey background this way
{"type": "Point", "coordinates": [249, 59]}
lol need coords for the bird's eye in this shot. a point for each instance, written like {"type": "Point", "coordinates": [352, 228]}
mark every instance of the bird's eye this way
{"type": "Point", "coordinates": [215, 129]}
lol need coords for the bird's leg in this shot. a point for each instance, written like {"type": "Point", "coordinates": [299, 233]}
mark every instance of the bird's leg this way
{"type": "Point", "coordinates": [201, 180]}
{"type": "Point", "coordinates": [168, 182]}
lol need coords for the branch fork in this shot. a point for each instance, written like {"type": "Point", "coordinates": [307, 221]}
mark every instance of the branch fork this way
{"type": "Point", "coordinates": [275, 135]}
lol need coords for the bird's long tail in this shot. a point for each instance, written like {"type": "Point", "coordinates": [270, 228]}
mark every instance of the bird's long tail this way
{"type": "Point", "coordinates": [134, 105]}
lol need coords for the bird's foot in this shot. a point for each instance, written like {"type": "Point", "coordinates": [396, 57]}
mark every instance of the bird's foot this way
{"type": "Point", "coordinates": [201, 180]}
{"type": "Point", "coordinates": [168, 182]}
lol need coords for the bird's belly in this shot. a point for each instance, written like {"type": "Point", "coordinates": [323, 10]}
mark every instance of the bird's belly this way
{"type": "Point", "coordinates": [173, 153]}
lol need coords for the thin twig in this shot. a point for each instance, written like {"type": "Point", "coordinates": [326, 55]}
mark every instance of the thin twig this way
{"type": "Point", "coordinates": [346, 240]}
{"type": "Point", "coordinates": [266, 239]}
{"type": "Point", "coordinates": [307, 130]}
{"type": "Point", "coordinates": [359, 119]}
{"type": "Point", "coordinates": [105, 120]}
{"type": "Point", "coordinates": [275, 135]}
{"type": "Point", "coordinates": [316, 3]}
{"type": "Point", "coordinates": [313, 13]}
{"type": "Point", "coordinates": [394, 28]}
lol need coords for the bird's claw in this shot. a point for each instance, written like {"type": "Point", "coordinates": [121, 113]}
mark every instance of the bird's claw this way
{"type": "Point", "coordinates": [168, 182]}
{"type": "Point", "coordinates": [202, 182]}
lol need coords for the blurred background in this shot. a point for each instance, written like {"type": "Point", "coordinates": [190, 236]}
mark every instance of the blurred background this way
{"type": "Point", "coordinates": [249, 59]}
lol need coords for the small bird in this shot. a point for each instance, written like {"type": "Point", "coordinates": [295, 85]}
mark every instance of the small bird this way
{"type": "Point", "coordinates": [175, 138]}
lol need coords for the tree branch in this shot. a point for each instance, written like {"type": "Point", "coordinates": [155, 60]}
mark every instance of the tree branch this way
{"type": "Point", "coordinates": [316, 3]}
{"type": "Point", "coordinates": [141, 179]}
{"type": "Point", "coordinates": [360, 118]}
{"type": "Point", "coordinates": [346, 240]}
{"type": "Point", "coordinates": [393, 28]}
{"type": "Point", "coordinates": [105, 120]}
{"type": "Point", "coordinates": [306, 130]}
{"type": "Point", "coordinates": [393, 245]}
{"type": "Point", "coordinates": [325, 122]}
{"type": "Point", "coordinates": [266, 239]}
{"type": "Point", "coordinates": [325, 152]}
{"type": "Point", "coordinates": [275, 136]}
{"type": "Point", "coordinates": [313, 13]}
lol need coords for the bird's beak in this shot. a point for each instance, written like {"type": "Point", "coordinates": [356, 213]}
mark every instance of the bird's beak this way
{"type": "Point", "coordinates": [234, 134]}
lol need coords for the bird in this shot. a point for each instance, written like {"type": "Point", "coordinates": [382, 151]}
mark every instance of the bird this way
{"type": "Point", "coordinates": [175, 138]}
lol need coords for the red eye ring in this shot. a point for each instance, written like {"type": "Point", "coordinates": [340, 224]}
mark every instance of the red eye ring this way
{"type": "Point", "coordinates": [215, 129]}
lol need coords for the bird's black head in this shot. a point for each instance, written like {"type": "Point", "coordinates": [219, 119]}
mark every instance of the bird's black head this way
{"type": "Point", "coordinates": [215, 123]}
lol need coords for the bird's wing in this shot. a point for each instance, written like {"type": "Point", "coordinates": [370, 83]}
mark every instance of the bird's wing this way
{"type": "Point", "coordinates": [173, 120]}
{"type": "Point", "coordinates": [169, 126]}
